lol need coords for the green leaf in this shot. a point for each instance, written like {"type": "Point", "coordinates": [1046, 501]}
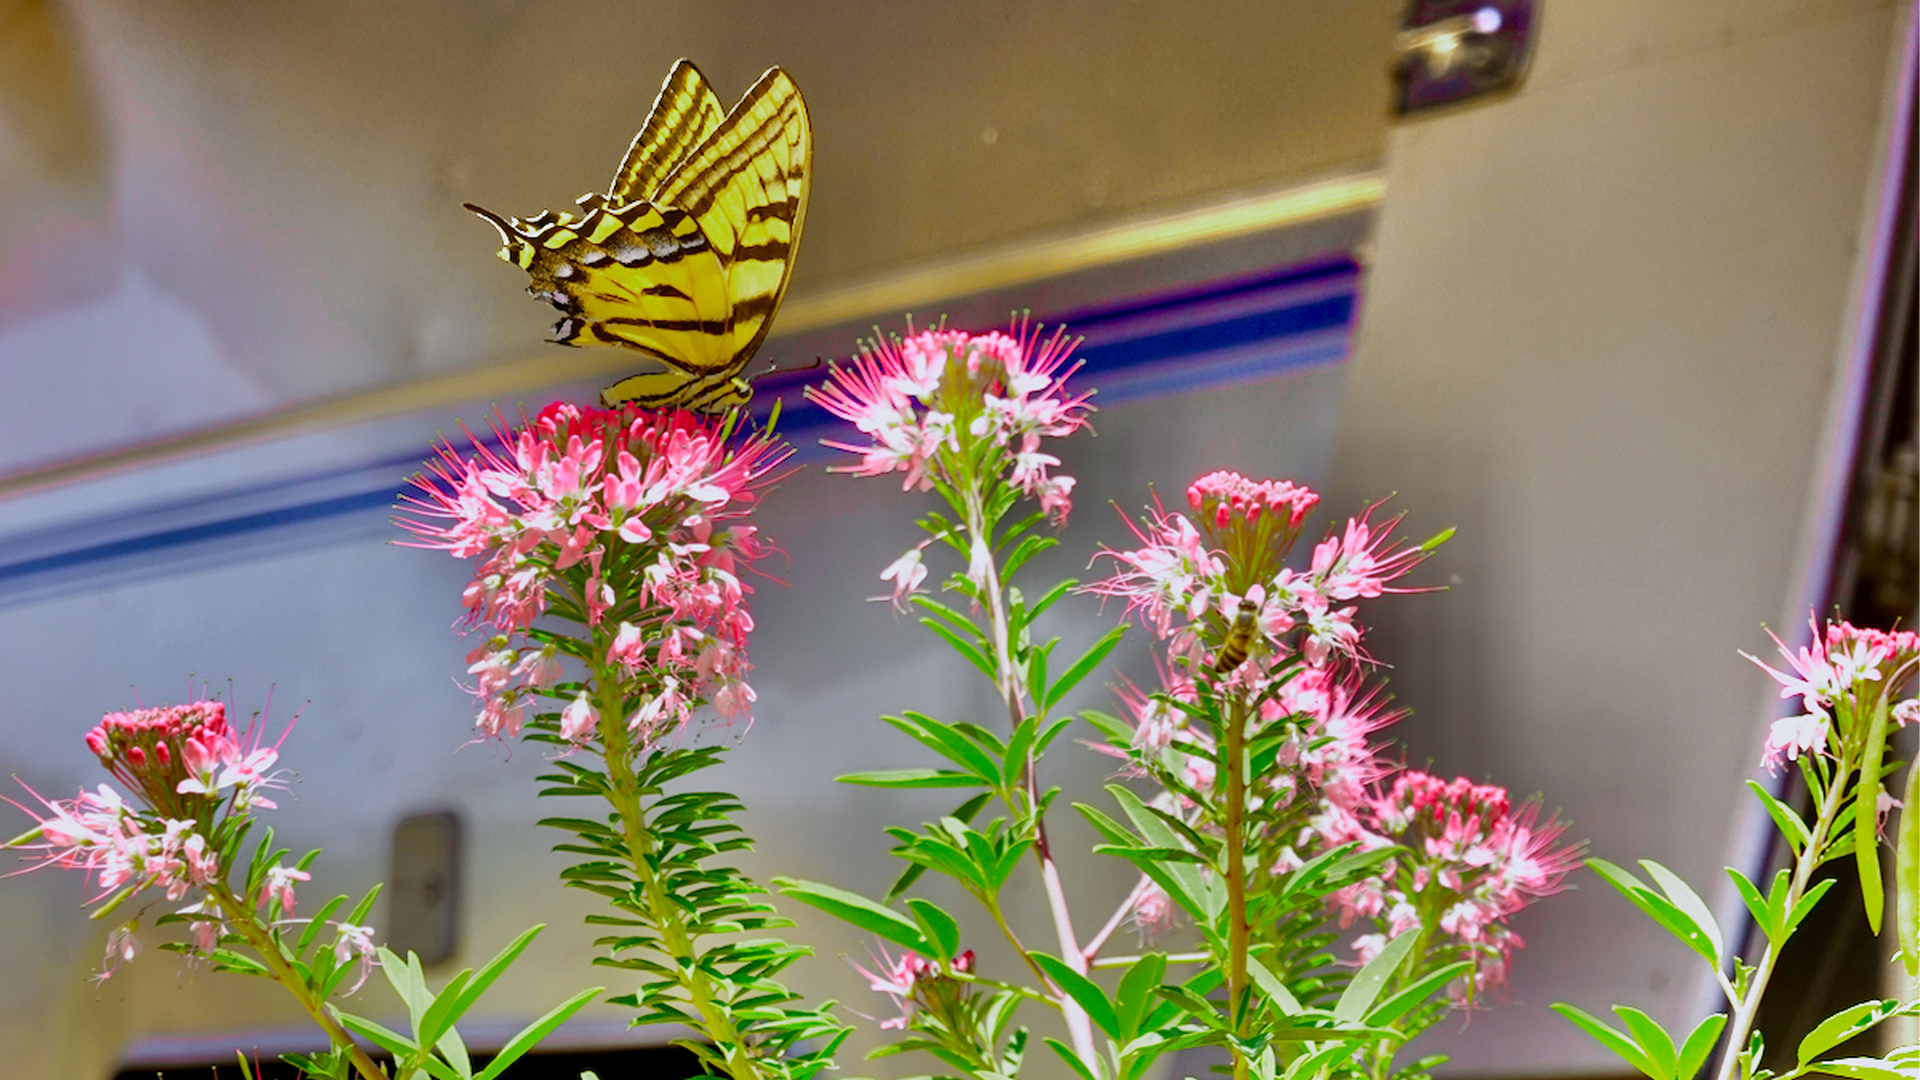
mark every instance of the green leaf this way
{"type": "Point", "coordinates": [1604, 1034]}
{"type": "Point", "coordinates": [1037, 670]}
{"type": "Point", "coordinates": [1082, 990]}
{"type": "Point", "coordinates": [1906, 873]}
{"type": "Point", "coordinates": [391, 1041]}
{"type": "Point", "coordinates": [1764, 916]}
{"type": "Point", "coordinates": [941, 929]}
{"type": "Point", "coordinates": [1677, 922]}
{"type": "Point", "coordinates": [1840, 1027]}
{"type": "Point", "coordinates": [974, 654]}
{"type": "Point", "coordinates": [1866, 818]}
{"type": "Point", "coordinates": [530, 1036]}
{"type": "Point", "coordinates": [1360, 994]}
{"type": "Point", "coordinates": [911, 778]}
{"type": "Point", "coordinates": [1284, 1003]}
{"type": "Point", "coordinates": [1805, 906]}
{"type": "Point", "coordinates": [1688, 902]}
{"type": "Point", "coordinates": [948, 743]}
{"type": "Point", "coordinates": [1694, 1053]}
{"type": "Point", "coordinates": [1652, 1038]}
{"type": "Point", "coordinates": [859, 911]}
{"type": "Point", "coordinates": [1783, 816]}
{"type": "Point", "coordinates": [465, 997]}
{"type": "Point", "coordinates": [1072, 1059]}
{"type": "Point", "coordinates": [1136, 992]}
{"type": "Point", "coordinates": [1095, 655]}
{"type": "Point", "coordinates": [1861, 1069]}
{"type": "Point", "coordinates": [1416, 994]}
{"type": "Point", "coordinates": [1033, 610]}
{"type": "Point", "coordinates": [966, 811]}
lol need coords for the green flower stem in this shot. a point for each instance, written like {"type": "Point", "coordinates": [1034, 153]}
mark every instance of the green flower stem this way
{"type": "Point", "coordinates": [1013, 692]}
{"type": "Point", "coordinates": [1238, 932]}
{"type": "Point", "coordinates": [240, 916]}
{"type": "Point", "coordinates": [1748, 1007]}
{"type": "Point", "coordinates": [668, 917]}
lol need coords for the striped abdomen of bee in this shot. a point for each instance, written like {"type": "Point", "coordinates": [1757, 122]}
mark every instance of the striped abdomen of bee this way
{"type": "Point", "coordinates": [1233, 651]}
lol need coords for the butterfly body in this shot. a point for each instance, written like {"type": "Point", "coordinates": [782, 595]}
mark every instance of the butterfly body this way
{"type": "Point", "coordinates": [686, 258]}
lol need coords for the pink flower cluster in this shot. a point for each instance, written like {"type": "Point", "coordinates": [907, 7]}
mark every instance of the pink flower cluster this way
{"type": "Point", "coordinates": [1847, 665]}
{"type": "Point", "coordinates": [1468, 860]}
{"type": "Point", "coordinates": [923, 401]}
{"type": "Point", "coordinates": [195, 778]}
{"type": "Point", "coordinates": [630, 522]}
{"type": "Point", "coordinates": [1203, 578]}
{"type": "Point", "coordinates": [913, 980]}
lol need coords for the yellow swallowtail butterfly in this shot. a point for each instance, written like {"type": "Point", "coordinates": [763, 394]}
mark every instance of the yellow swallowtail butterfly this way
{"type": "Point", "coordinates": [686, 257]}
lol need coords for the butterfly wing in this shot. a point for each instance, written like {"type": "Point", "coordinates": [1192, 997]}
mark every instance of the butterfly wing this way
{"type": "Point", "coordinates": [691, 276]}
{"type": "Point", "coordinates": [747, 186]}
{"type": "Point", "coordinates": [684, 115]}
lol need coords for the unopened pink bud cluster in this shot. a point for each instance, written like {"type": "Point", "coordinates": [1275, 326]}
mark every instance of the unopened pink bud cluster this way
{"type": "Point", "coordinates": [636, 520]}
{"type": "Point", "coordinates": [181, 758]}
{"type": "Point", "coordinates": [1467, 860]}
{"type": "Point", "coordinates": [919, 401]}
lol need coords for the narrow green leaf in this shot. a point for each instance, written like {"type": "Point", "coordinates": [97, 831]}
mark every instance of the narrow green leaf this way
{"type": "Point", "coordinates": [1698, 1045]}
{"type": "Point", "coordinates": [1284, 1003]}
{"type": "Point", "coordinates": [1861, 1069]}
{"type": "Point", "coordinates": [1416, 994]}
{"type": "Point", "coordinates": [1082, 990]}
{"type": "Point", "coordinates": [1906, 873]}
{"type": "Point", "coordinates": [391, 1041]}
{"type": "Point", "coordinates": [1767, 919]}
{"type": "Point", "coordinates": [1095, 655]}
{"type": "Point", "coordinates": [941, 929]}
{"type": "Point", "coordinates": [1072, 1059]}
{"type": "Point", "coordinates": [1656, 906]}
{"type": "Point", "coordinates": [491, 970]}
{"type": "Point", "coordinates": [910, 778]}
{"type": "Point", "coordinates": [1687, 901]}
{"type": "Point", "coordinates": [1360, 994]}
{"type": "Point", "coordinates": [1604, 1034]}
{"type": "Point", "coordinates": [859, 911]}
{"type": "Point", "coordinates": [1135, 992]}
{"type": "Point", "coordinates": [1866, 818]}
{"type": "Point", "coordinates": [1783, 816]}
{"type": "Point", "coordinates": [948, 743]}
{"type": "Point", "coordinates": [1037, 672]}
{"type": "Point", "coordinates": [1034, 609]}
{"type": "Point", "coordinates": [1652, 1038]}
{"type": "Point", "coordinates": [1840, 1027]}
{"type": "Point", "coordinates": [1802, 909]}
{"type": "Point", "coordinates": [973, 653]}
{"type": "Point", "coordinates": [967, 811]}
{"type": "Point", "coordinates": [530, 1036]}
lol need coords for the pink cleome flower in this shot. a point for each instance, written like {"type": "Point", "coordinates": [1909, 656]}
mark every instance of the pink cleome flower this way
{"type": "Point", "coordinates": [920, 400]}
{"type": "Point", "coordinates": [622, 516]}
{"type": "Point", "coordinates": [1843, 664]}
{"type": "Point", "coordinates": [1467, 853]}
{"type": "Point", "coordinates": [1208, 575]}
{"type": "Point", "coordinates": [912, 980]}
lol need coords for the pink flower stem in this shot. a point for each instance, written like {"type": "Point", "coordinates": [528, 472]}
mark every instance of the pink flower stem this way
{"type": "Point", "coordinates": [241, 916]}
{"type": "Point", "coordinates": [1093, 947]}
{"type": "Point", "coordinates": [1013, 692]}
{"type": "Point", "coordinates": [666, 915]}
